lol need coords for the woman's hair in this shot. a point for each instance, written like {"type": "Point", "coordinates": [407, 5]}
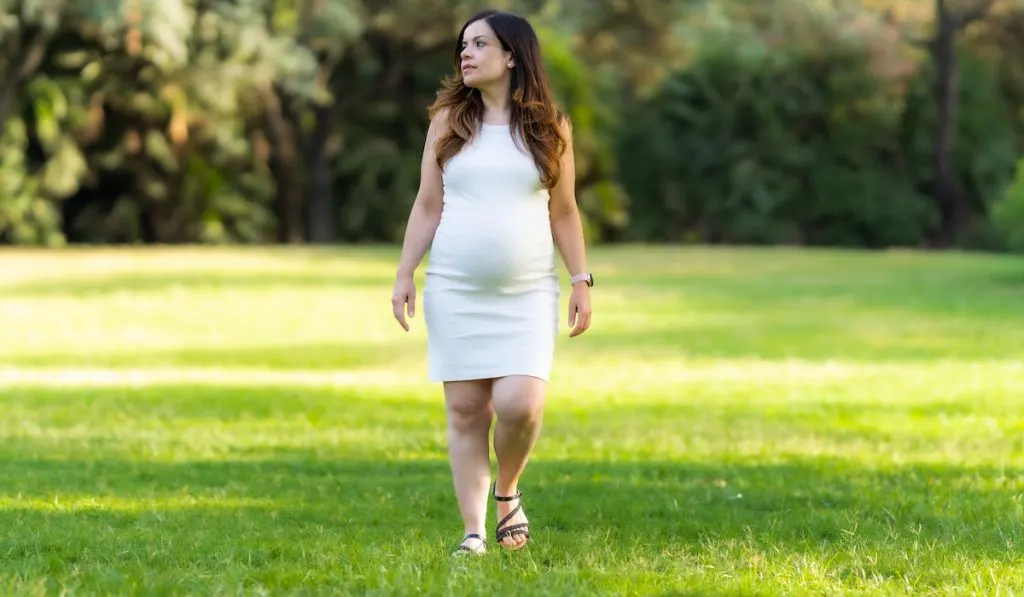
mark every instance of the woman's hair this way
{"type": "Point", "coordinates": [535, 117]}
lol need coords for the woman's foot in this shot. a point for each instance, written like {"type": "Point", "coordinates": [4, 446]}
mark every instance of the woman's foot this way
{"type": "Point", "coordinates": [472, 544]}
{"type": "Point", "coordinates": [513, 530]}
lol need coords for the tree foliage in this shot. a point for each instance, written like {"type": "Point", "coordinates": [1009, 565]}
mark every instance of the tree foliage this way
{"type": "Point", "coordinates": [228, 121]}
{"type": "Point", "coordinates": [765, 138]}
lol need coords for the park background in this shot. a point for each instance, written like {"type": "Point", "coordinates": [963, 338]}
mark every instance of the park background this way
{"type": "Point", "coordinates": [825, 122]}
{"type": "Point", "coordinates": [804, 374]}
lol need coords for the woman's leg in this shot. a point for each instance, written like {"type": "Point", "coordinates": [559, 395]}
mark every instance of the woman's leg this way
{"type": "Point", "coordinates": [469, 412]}
{"type": "Point", "coordinates": [519, 404]}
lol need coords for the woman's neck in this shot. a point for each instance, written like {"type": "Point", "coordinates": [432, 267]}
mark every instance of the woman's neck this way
{"type": "Point", "coordinates": [496, 104]}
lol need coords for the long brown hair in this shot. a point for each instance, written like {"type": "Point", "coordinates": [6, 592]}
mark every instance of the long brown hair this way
{"type": "Point", "coordinates": [535, 117]}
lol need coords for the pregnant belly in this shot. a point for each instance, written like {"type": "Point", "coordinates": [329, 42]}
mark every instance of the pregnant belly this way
{"type": "Point", "coordinates": [493, 252]}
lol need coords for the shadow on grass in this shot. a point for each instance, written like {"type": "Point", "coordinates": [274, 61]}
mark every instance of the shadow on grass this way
{"type": "Point", "coordinates": [807, 505]}
{"type": "Point", "coordinates": [321, 357]}
{"type": "Point", "coordinates": [154, 549]}
{"type": "Point", "coordinates": [198, 280]}
{"type": "Point", "coordinates": [261, 506]}
{"type": "Point", "coordinates": [807, 341]}
{"type": "Point", "coordinates": [811, 341]}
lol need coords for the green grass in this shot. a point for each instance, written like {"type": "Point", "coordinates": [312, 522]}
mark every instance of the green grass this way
{"type": "Point", "coordinates": [737, 421]}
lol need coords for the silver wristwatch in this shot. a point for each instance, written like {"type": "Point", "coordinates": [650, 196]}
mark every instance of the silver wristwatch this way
{"type": "Point", "coordinates": [587, 277]}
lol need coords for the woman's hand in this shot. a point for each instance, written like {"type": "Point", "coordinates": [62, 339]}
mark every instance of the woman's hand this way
{"type": "Point", "coordinates": [579, 309]}
{"type": "Point", "coordinates": [404, 294]}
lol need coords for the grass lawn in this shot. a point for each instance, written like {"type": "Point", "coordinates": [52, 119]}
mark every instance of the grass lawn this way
{"type": "Point", "coordinates": [737, 421]}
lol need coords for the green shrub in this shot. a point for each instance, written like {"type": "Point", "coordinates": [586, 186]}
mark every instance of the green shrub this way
{"type": "Point", "coordinates": [794, 142]}
{"type": "Point", "coordinates": [1008, 213]}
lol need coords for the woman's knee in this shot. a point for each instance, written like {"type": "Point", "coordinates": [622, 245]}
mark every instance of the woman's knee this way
{"type": "Point", "coordinates": [468, 405]}
{"type": "Point", "coordinates": [519, 400]}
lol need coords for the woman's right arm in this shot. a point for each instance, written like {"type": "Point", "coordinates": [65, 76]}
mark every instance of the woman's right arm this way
{"type": "Point", "coordinates": [424, 218]}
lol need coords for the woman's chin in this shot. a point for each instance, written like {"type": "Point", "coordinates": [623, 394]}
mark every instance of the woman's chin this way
{"type": "Point", "coordinates": [474, 80]}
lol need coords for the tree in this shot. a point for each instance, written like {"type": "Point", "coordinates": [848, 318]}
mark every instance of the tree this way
{"type": "Point", "coordinates": [950, 21]}
{"type": "Point", "coordinates": [135, 120]}
{"type": "Point", "coordinates": [24, 40]}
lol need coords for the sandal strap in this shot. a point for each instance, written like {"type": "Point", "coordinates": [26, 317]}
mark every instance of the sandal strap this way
{"type": "Point", "coordinates": [502, 498]}
{"type": "Point", "coordinates": [510, 515]}
{"type": "Point", "coordinates": [463, 547]}
{"type": "Point", "coordinates": [513, 530]}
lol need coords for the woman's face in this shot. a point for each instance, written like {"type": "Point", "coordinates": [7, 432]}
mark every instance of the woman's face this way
{"type": "Point", "coordinates": [483, 60]}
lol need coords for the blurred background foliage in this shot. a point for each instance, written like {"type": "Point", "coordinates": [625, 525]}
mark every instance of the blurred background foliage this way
{"type": "Point", "coordinates": [817, 122]}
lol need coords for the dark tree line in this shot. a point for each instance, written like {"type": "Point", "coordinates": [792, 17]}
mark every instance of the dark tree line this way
{"type": "Point", "coordinates": [295, 121]}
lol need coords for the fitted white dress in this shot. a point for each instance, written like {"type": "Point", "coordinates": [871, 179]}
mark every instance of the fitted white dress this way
{"type": "Point", "coordinates": [490, 301]}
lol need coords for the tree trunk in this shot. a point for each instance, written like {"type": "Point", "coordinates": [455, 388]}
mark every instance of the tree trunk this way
{"type": "Point", "coordinates": [949, 197]}
{"type": "Point", "coordinates": [947, 192]}
{"type": "Point", "coordinates": [285, 166]}
{"type": "Point", "coordinates": [321, 214]}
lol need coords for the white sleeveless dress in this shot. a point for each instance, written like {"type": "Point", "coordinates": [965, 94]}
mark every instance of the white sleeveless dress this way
{"type": "Point", "coordinates": [490, 301]}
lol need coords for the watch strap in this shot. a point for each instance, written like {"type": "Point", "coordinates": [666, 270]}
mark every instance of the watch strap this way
{"type": "Point", "coordinates": [585, 277]}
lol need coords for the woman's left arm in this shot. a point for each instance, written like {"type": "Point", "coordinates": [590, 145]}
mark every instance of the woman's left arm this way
{"type": "Point", "coordinates": [567, 231]}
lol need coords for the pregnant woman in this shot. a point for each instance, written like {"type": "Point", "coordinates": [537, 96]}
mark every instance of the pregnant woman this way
{"type": "Point", "coordinates": [496, 197]}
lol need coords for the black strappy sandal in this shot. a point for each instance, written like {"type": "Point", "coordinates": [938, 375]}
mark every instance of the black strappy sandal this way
{"type": "Point", "coordinates": [521, 529]}
{"type": "Point", "coordinates": [465, 549]}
